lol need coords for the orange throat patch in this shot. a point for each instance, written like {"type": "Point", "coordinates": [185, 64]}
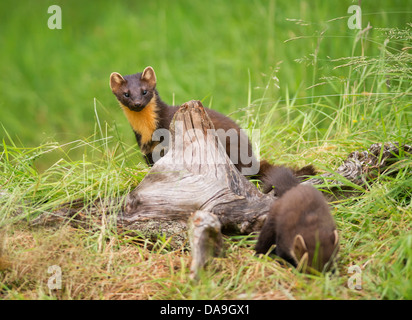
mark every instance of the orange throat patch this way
{"type": "Point", "coordinates": [143, 122]}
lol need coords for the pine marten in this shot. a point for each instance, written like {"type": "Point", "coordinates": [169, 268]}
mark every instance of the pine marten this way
{"type": "Point", "coordinates": [299, 223]}
{"type": "Point", "coordinates": [146, 112]}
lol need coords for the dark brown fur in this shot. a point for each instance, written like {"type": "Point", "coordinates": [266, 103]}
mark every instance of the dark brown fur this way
{"type": "Point", "coordinates": [278, 178]}
{"type": "Point", "coordinates": [299, 223]}
{"type": "Point", "coordinates": [141, 88]}
{"type": "Point", "coordinates": [284, 177]}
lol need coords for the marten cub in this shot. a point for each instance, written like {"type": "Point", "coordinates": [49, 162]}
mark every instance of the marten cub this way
{"type": "Point", "coordinates": [146, 113]}
{"type": "Point", "coordinates": [299, 223]}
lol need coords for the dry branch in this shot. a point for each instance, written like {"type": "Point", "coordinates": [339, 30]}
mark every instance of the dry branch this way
{"type": "Point", "coordinates": [205, 239]}
{"type": "Point", "coordinates": [361, 167]}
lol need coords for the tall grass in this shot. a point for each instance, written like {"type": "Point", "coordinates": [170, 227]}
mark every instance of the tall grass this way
{"type": "Point", "coordinates": [198, 49]}
{"type": "Point", "coordinates": [103, 172]}
{"type": "Point", "coordinates": [370, 104]}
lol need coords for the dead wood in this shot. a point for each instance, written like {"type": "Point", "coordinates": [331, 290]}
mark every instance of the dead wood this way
{"type": "Point", "coordinates": [195, 174]}
{"type": "Point", "coordinates": [205, 240]}
{"type": "Point", "coordinates": [360, 168]}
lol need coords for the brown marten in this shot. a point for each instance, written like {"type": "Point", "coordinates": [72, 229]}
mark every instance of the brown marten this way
{"type": "Point", "coordinates": [299, 223]}
{"type": "Point", "coordinates": [146, 113]}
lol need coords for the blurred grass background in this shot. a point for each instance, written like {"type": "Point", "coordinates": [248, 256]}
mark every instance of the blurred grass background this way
{"type": "Point", "coordinates": [225, 53]}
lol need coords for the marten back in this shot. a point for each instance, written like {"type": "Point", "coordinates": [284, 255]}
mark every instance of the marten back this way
{"type": "Point", "coordinates": [278, 178]}
{"type": "Point", "coordinates": [301, 226]}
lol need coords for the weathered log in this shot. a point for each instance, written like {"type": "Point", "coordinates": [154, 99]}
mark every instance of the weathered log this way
{"type": "Point", "coordinates": [205, 240]}
{"type": "Point", "coordinates": [360, 168]}
{"type": "Point", "coordinates": [195, 174]}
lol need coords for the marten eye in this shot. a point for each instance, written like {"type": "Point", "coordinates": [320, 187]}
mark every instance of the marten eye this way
{"type": "Point", "coordinates": [144, 92]}
{"type": "Point", "coordinates": [126, 94]}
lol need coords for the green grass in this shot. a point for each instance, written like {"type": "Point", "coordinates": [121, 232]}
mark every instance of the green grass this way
{"type": "Point", "coordinates": [200, 50]}
{"type": "Point", "coordinates": [315, 89]}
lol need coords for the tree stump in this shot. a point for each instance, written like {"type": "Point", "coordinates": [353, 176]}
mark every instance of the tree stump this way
{"type": "Point", "coordinates": [194, 175]}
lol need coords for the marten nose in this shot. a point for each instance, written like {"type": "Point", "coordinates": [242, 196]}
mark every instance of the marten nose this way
{"type": "Point", "coordinates": [137, 105]}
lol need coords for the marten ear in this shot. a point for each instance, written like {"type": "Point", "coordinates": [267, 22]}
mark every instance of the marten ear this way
{"type": "Point", "coordinates": [116, 81]}
{"type": "Point", "coordinates": [149, 75]}
{"type": "Point", "coordinates": [335, 237]}
{"type": "Point", "coordinates": [299, 248]}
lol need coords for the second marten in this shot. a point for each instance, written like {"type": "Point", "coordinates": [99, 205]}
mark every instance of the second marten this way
{"type": "Point", "coordinates": [146, 112]}
{"type": "Point", "coordinates": [299, 223]}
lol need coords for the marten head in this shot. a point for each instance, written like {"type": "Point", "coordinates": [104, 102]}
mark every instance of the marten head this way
{"type": "Point", "coordinates": [306, 231]}
{"type": "Point", "coordinates": [135, 91]}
